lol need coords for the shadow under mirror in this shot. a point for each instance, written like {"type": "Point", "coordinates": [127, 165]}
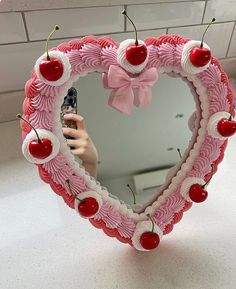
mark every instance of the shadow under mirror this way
{"type": "Point", "coordinates": [138, 153]}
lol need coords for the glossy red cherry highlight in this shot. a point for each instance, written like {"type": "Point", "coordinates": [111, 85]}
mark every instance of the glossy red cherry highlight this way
{"type": "Point", "coordinates": [51, 68]}
{"type": "Point", "coordinates": [88, 207]}
{"type": "Point", "coordinates": [200, 56]}
{"type": "Point", "coordinates": [197, 193]}
{"type": "Point", "coordinates": [137, 53]}
{"type": "Point", "coordinates": [226, 127]}
{"type": "Point", "coordinates": [38, 148]}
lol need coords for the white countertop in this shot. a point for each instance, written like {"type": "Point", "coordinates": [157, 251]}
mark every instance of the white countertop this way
{"type": "Point", "coordinates": [44, 244]}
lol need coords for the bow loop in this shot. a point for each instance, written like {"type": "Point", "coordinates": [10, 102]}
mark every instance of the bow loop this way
{"type": "Point", "coordinates": [127, 90]}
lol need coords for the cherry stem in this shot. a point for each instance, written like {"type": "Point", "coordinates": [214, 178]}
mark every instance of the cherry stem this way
{"type": "Point", "coordinates": [68, 183]}
{"type": "Point", "coordinates": [132, 193]}
{"type": "Point", "coordinates": [20, 117]}
{"type": "Point", "coordinates": [152, 232]}
{"type": "Point", "coordinates": [212, 173]}
{"type": "Point", "coordinates": [49, 37]}
{"type": "Point", "coordinates": [213, 20]}
{"type": "Point", "coordinates": [180, 155]}
{"type": "Point", "coordinates": [135, 29]}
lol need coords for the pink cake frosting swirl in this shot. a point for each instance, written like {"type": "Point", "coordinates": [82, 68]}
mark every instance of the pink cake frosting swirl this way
{"type": "Point", "coordinates": [91, 55]}
{"type": "Point", "coordinates": [41, 119]}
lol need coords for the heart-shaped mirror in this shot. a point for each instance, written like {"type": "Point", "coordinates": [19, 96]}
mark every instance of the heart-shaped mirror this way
{"type": "Point", "coordinates": [131, 167]}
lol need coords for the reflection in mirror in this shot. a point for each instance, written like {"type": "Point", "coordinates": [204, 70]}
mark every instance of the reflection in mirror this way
{"type": "Point", "coordinates": [138, 153]}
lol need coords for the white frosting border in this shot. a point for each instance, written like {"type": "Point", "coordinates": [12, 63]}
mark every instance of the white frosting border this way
{"type": "Point", "coordinates": [66, 67]}
{"type": "Point", "coordinates": [42, 134]}
{"type": "Point", "coordinates": [142, 227]}
{"type": "Point", "coordinates": [185, 60]}
{"type": "Point", "coordinates": [213, 122]}
{"type": "Point", "coordinates": [186, 185]}
{"type": "Point", "coordinates": [87, 194]}
{"type": "Point", "coordinates": [121, 59]}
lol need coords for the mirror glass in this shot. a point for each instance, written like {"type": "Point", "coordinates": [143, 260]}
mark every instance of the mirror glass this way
{"type": "Point", "coordinates": [140, 149]}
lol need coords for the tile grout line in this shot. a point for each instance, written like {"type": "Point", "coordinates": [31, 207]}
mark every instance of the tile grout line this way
{"type": "Point", "coordinates": [204, 11]}
{"type": "Point", "coordinates": [97, 6]}
{"type": "Point", "coordinates": [25, 26]}
{"type": "Point", "coordinates": [117, 32]}
{"type": "Point", "coordinates": [230, 40]}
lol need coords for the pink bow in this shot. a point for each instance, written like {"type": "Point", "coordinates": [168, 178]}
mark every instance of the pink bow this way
{"type": "Point", "coordinates": [126, 90]}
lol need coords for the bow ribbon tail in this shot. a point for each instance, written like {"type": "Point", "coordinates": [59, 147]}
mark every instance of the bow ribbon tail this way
{"type": "Point", "coordinates": [122, 99]}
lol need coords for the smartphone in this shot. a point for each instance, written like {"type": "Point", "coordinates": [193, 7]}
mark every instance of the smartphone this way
{"type": "Point", "coordinates": [69, 106]}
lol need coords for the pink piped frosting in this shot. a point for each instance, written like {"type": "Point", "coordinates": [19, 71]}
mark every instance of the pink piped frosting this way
{"type": "Point", "coordinates": [166, 54]}
{"type": "Point", "coordinates": [91, 55]}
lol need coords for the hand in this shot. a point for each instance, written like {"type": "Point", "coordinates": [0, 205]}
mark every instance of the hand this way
{"type": "Point", "coordinates": [81, 144]}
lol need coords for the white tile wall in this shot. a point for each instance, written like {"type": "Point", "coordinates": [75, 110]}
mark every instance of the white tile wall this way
{"type": "Point", "coordinates": [11, 28]}
{"type": "Point", "coordinates": [219, 48]}
{"type": "Point", "coordinates": [22, 5]}
{"type": "Point", "coordinates": [17, 61]}
{"type": "Point", "coordinates": [232, 48]}
{"type": "Point", "coordinates": [79, 18]}
{"type": "Point", "coordinates": [75, 22]}
{"type": "Point", "coordinates": [222, 10]}
{"type": "Point", "coordinates": [141, 34]}
{"type": "Point", "coordinates": [165, 14]}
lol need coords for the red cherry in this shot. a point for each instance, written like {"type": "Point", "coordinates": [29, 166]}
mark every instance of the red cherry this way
{"type": "Point", "coordinates": [42, 149]}
{"type": "Point", "coordinates": [149, 240]}
{"type": "Point", "coordinates": [226, 127]}
{"type": "Point", "coordinates": [197, 193]}
{"type": "Point", "coordinates": [52, 69]}
{"type": "Point", "coordinates": [200, 56]}
{"type": "Point", "coordinates": [88, 207]}
{"type": "Point", "coordinates": [136, 54]}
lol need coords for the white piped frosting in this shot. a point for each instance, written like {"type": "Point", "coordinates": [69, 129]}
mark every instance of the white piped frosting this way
{"type": "Point", "coordinates": [142, 227]}
{"type": "Point", "coordinates": [66, 67]}
{"type": "Point", "coordinates": [213, 123]}
{"type": "Point", "coordinates": [42, 134]}
{"type": "Point", "coordinates": [185, 60]}
{"type": "Point", "coordinates": [88, 194]}
{"type": "Point", "coordinates": [121, 58]}
{"type": "Point", "coordinates": [186, 185]}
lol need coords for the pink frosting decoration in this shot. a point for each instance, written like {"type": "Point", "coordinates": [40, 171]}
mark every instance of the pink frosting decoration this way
{"type": "Point", "coordinates": [165, 213]}
{"type": "Point", "coordinates": [126, 227]}
{"type": "Point", "coordinates": [43, 103]}
{"type": "Point", "coordinates": [109, 215]}
{"type": "Point", "coordinates": [55, 164]}
{"type": "Point", "coordinates": [203, 165]}
{"type": "Point", "coordinates": [166, 54]}
{"type": "Point", "coordinates": [77, 185]}
{"type": "Point", "coordinates": [108, 57]}
{"type": "Point", "coordinates": [91, 55]}
{"type": "Point", "coordinates": [60, 177]}
{"type": "Point", "coordinates": [153, 59]}
{"type": "Point", "coordinates": [47, 90]}
{"type": "Point", "coordinates": [102, 213]}
{"type": "Point", "coordinates": [27, 106]}
{"type": "Point", "coordinates": [41, 119]}
{"type": "Point", "coordinates": [211, 148]}
{"type": "Point", "coordinates": [218, 98]}
{"type": "Point", "coordinates": [211, 76]}
{"type": "Point", "coordinates": [77, 64]}
{"type": "Point", "coordinates": [30, 88]}
{"type": "Point", "coordinates": [178, 54]}
{"type": "Point", "coordinates": [106, 41]}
